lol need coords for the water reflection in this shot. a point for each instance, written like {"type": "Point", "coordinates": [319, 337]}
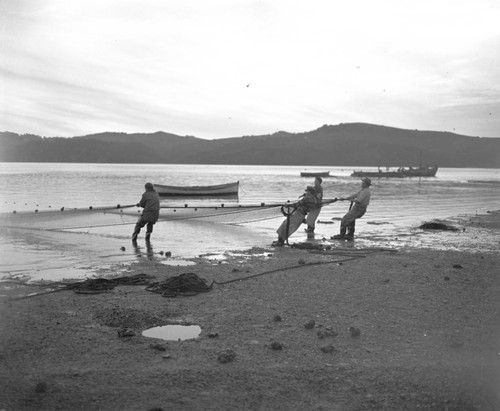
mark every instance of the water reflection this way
{"type": "Point", "coordinates": [141, 253]}
{"type": "Point", "coordinates": [173, 332]}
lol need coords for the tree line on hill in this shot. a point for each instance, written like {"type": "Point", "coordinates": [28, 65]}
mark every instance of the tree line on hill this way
{"type": "Point", "coordinates": [353, 144]}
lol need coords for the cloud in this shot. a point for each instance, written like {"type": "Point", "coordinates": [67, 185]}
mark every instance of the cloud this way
{"type": "Point", "coordinates": [72, 68]}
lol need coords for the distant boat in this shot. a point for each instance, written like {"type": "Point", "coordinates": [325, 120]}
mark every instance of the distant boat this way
{"type": "Point", "coordinates": [315, 174]}
{"type": "Point", "coordinates": [228, 189]}
{"type": "Point", "coordinates": [378, 173]}
{"type": "Point", "coordinates": [429, 171]}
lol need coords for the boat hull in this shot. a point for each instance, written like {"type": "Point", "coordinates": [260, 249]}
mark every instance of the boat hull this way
{"type": "Point", "coordinates": [229, 189]}
{"type": "Point", "coordinates": [421, 172]}
{"type": "Point", "coordinates": [377, 174]}
{"type": "Point", "coordinates": [401, 173]}
{"type": "Point", "coordinates": [313, 174]}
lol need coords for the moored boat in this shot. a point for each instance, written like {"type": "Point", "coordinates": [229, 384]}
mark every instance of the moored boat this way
{"type": "Point", "coordinates": [378, 173]}
{"type": "Point", "coordinates": [429, 171]}
{"type": "Point", "coordinates": [228, 189]}
{"type": "Point", "coordinates": [315, 174]}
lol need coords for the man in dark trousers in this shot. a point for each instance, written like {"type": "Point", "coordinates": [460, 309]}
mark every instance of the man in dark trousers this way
{"type": "Point", "coordinates": [360, 202]}
{"type": "Point", "coordinates": [150, 202]}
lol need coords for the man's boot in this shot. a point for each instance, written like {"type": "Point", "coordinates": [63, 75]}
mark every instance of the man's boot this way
{"type": "Point", "coordinates": [350, 232]}
{"type": "Point", "coordinates": [278, 243]}
{"type": "Point", "coordinates": [340, 236]}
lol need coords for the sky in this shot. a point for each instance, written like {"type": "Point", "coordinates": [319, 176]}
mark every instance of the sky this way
{"type": "Point", "coordinates": [230, 68]}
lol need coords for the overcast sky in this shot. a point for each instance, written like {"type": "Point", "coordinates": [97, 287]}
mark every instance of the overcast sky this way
{"type": "Point", "coordinates": [228, 68]}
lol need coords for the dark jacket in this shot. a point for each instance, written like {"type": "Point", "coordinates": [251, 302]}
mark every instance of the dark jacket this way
{"type": "Point", "coordinates": [307, 202]}
{"type": "Point", "coordinates": [150, 201]}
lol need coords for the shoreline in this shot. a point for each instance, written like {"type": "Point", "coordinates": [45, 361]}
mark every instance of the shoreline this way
{"type": "Point", "coordinates": [52, 255]}
{"type": "Point", "coordinates": [427, 320]}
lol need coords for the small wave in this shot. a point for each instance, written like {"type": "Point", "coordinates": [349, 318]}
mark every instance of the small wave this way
{"type": "Point", "coordinates": [495, 182]}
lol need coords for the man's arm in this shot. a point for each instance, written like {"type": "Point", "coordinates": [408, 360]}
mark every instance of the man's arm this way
{"type": "Point", "coordinates": [351, 197]}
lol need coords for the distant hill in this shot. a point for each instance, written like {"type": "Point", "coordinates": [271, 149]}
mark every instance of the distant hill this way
{"type": "Point", "coordinates": [353, 144]}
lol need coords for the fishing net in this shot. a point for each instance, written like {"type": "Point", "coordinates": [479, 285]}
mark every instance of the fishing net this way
{"type": "Point", "coordinates": [65, 218]}
{"type": "Point", "coordinates": [90, 286]}
{"type": "Point", "coordinates": [223, 214]}
{"type": "Point", "coordinates": [186, 284]}
{"type": "Point", "coordinates": [74, 219]}
{"type": "Point", "coordinates": [99, 285]}
{"type": "Point", "coordinates": [83, 218]}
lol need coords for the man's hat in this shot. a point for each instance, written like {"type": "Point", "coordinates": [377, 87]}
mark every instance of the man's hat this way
{"type": "Point", "coordinates": [367, 181]}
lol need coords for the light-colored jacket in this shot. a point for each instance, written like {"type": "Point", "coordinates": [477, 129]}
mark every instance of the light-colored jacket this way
{"type": "Point", "coordinates": [362, 198]}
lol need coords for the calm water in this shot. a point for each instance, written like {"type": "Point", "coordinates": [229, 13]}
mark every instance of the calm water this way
{"type": "Point", "coordinates": [93, 239]}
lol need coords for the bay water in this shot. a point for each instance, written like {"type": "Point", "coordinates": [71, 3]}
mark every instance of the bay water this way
{"type": "Point", "coordinates": [397, 208]}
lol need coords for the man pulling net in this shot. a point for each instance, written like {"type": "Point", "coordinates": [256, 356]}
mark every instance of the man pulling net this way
{"type": "Point", "coordinates": [295, 214]}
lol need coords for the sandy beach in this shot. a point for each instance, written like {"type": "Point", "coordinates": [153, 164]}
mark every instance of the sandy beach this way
{"type": "Point", "coordinates": [343, 328]}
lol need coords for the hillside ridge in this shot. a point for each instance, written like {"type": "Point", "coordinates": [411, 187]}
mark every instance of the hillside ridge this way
{"type": "Point", "coordinates": [345, 144]}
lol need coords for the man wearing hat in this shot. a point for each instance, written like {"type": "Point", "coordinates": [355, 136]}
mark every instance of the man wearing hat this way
{"type": "Point", "coordinates": [360, 202]}
{"type": "Point", "coordinates": [299, 211]}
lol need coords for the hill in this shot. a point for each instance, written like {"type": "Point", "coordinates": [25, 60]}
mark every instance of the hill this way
{"type": "Point", "coordinates": [352, 144]}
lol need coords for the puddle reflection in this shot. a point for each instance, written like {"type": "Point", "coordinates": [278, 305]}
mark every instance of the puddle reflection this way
{"type": "Point", "coordinates": [173, 332]}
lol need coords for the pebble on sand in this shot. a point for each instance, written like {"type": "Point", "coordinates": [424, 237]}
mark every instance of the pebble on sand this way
{"type": "Point", "coordinates": [355, 332]}
{"type": "Point", "coordinates": [226, 356]}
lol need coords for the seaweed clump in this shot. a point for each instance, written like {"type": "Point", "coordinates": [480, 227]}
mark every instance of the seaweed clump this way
{"type": "Point", "coordinates": [437, 226]}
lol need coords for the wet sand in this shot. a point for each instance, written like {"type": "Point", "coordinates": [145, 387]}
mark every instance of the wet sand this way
{"type": "Point", "coordinates": [353, 327]}
{"type": "Point", "coordinates": [53, 246]}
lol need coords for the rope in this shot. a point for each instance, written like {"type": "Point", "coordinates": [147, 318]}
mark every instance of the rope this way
{"type": "Point", "coordinates": [262, 205]}
{"type": "Point", "coordinates": [82, 226]}
{"type": "Point", "coordinates": [288, 268]}
{"type": "Point", "coordinates": [354, 255]}
{"type": "Point", "coordinates": [216, 214]}
{"type": "Point", "coordinates": [71, 210]}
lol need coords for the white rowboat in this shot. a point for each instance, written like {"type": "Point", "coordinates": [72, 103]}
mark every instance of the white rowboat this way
{"type": "Point", "coordinates": [228, 189]}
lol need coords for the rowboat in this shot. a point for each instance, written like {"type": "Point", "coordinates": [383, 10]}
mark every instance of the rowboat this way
{"type": "Point", "coordinates": [315, 174]}
{"type": "Point", "coordinates": [429, 171]}
{"type": "Point", "coordinates": [228, 189]}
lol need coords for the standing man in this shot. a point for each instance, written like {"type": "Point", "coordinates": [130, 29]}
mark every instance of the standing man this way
{"type": "Point", "coordinates": [360, 202]}
{"type": "Point", "coordinates": [150, 202]}
{"type": "Point", "coordinates": [314, 213]}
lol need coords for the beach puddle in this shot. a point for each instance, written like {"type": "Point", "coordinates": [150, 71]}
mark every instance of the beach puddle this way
{"type": "Point", "coordinates": [173, 332]}
{"type": "Point", "coordinates": [179, 263]}
{"type": "Point", "coordinates": [265, 255]}
{"type": "Point", "coordinates": [214, 256]}
{"type": "Point", "coordinates": [58, 274]}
